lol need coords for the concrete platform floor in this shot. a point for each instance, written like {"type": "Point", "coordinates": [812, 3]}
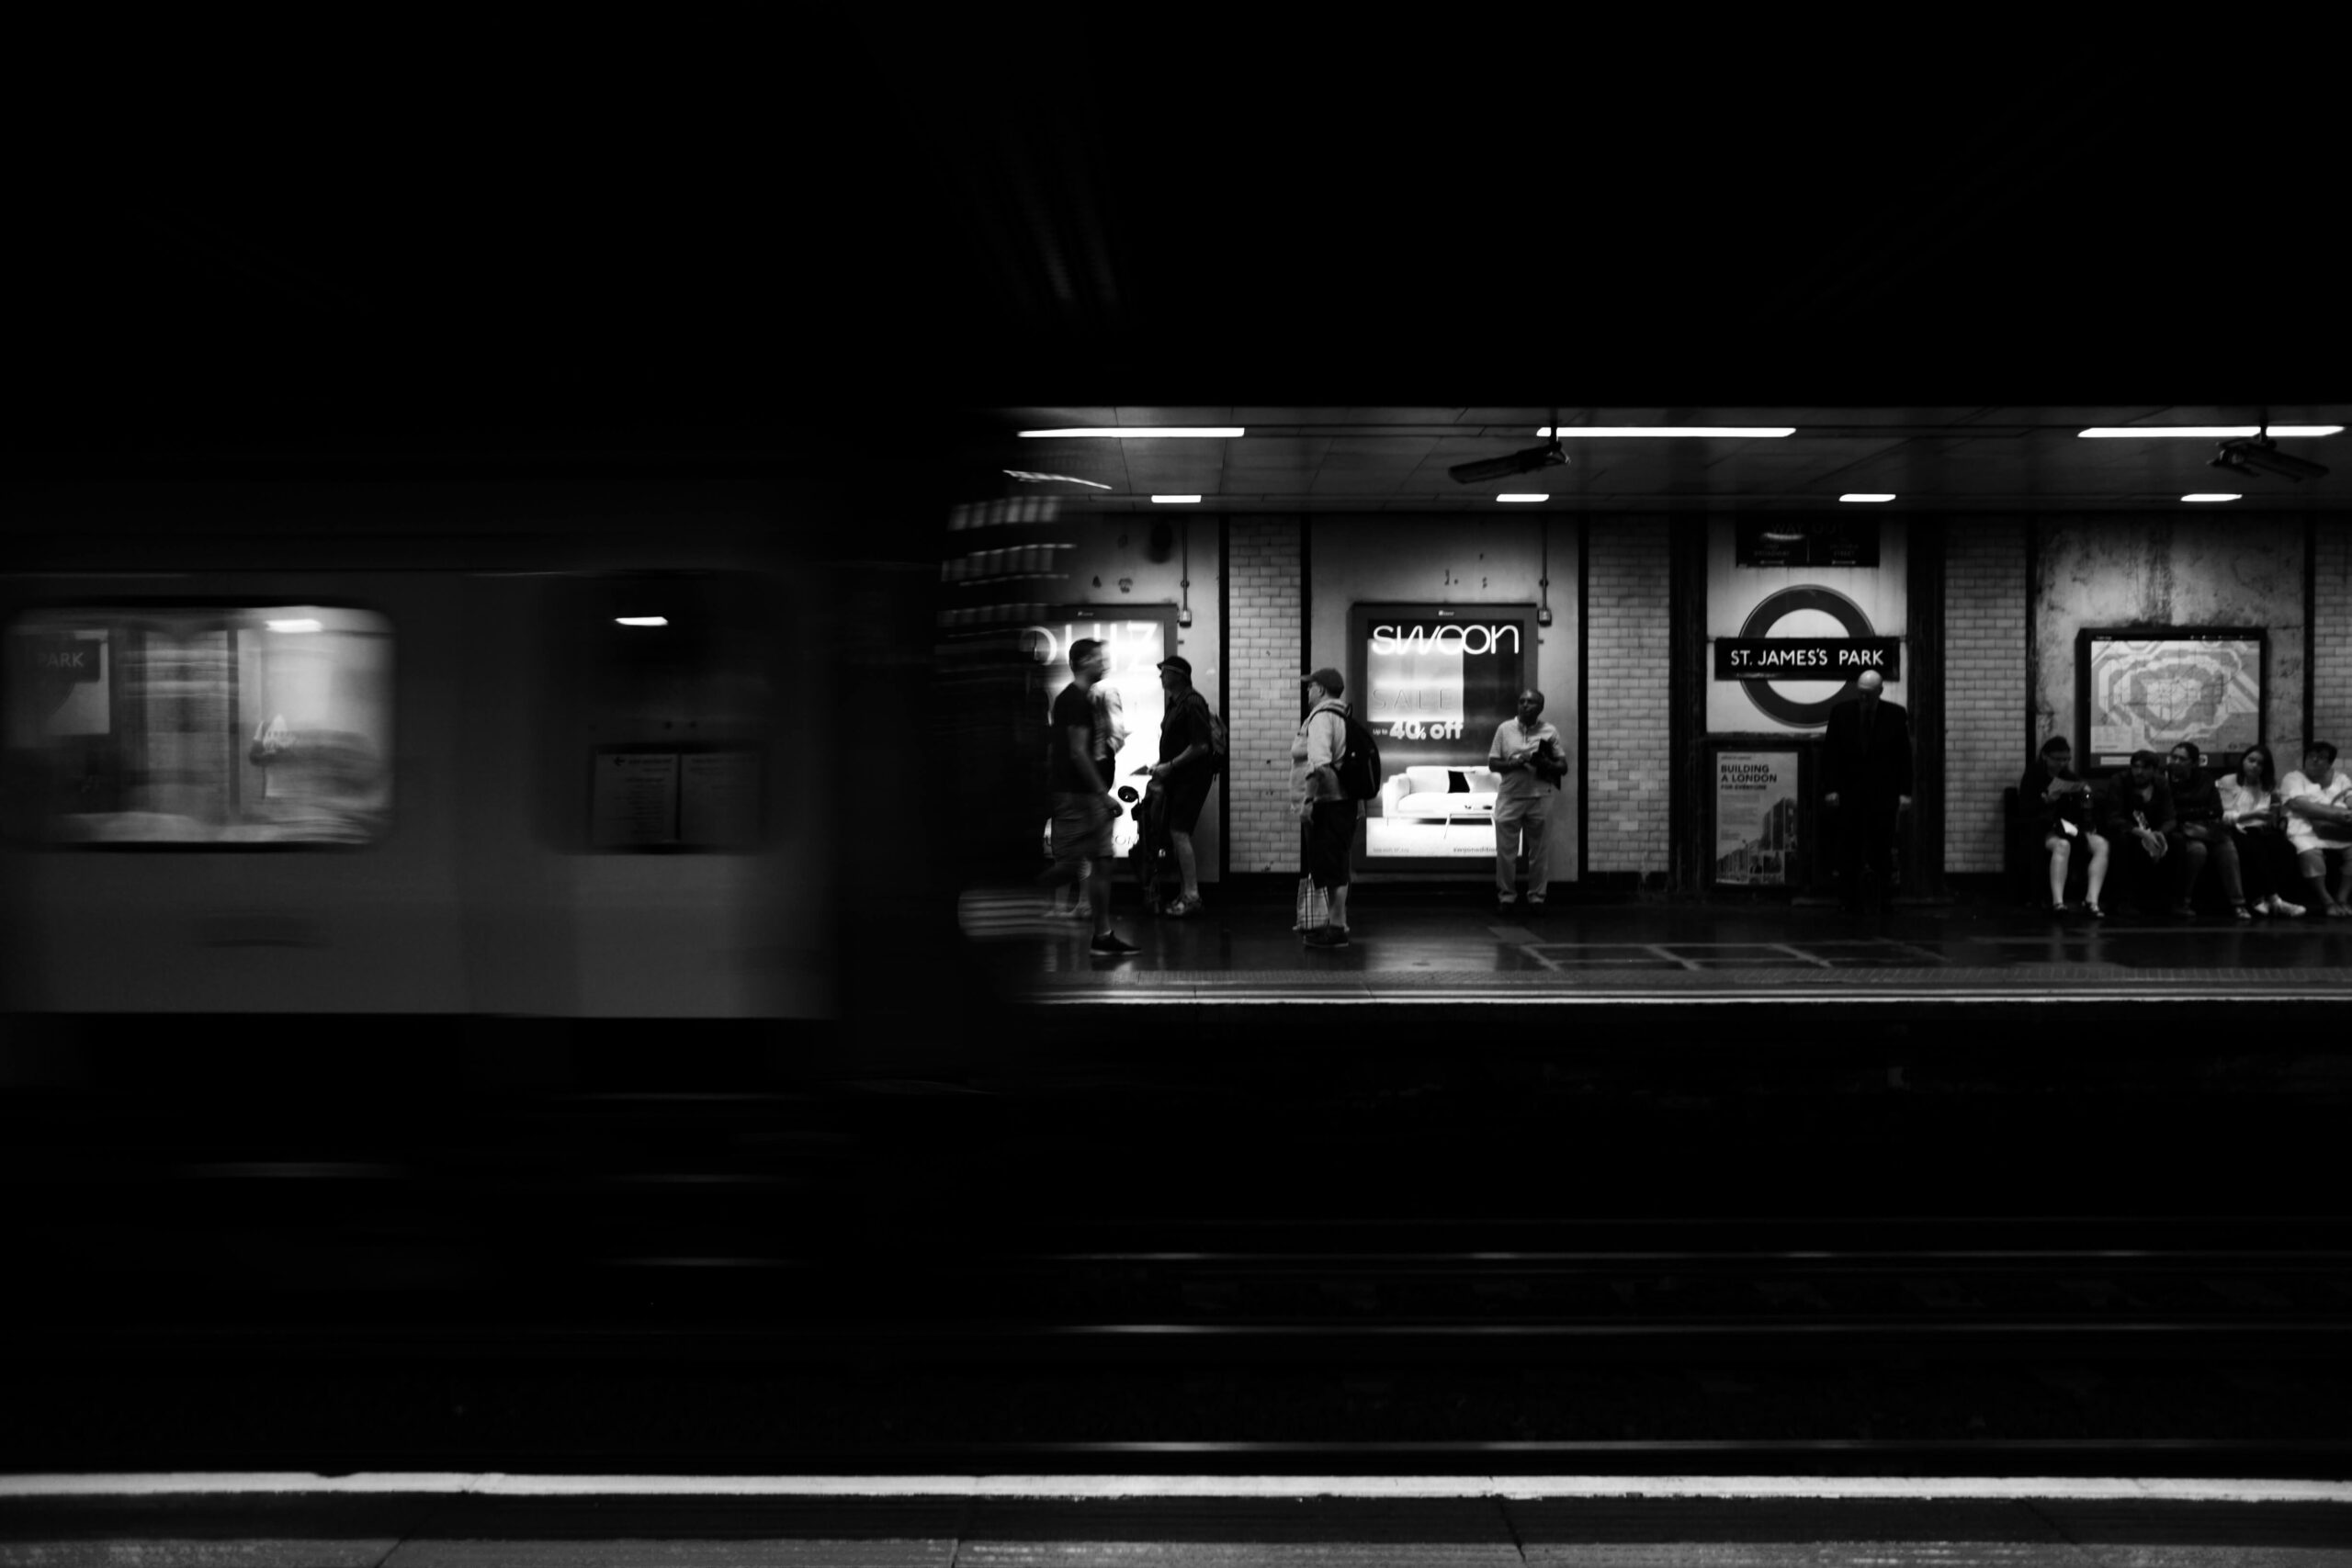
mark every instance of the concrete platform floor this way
{"type": "Point", "coordinates": [595, 1520]}
{"type": "Point", "coordinates": [1412, 945]}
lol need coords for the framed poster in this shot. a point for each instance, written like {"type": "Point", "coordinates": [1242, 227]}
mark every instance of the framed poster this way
{"type": "Point", "coordinates": [2152, 687]}
{"type": "Point", "coordinates": [1432, 681]}
{"type": "Point", "coordinates": [1138, 638]}
{"type": "Point", "coordinates": [675, 797]}
{"type": "Point", "coordinates": [1757, 817]}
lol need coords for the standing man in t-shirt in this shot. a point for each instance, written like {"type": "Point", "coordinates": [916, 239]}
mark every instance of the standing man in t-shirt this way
{"type": "Point", "coordinates": [1526, 753]}
{"type": "Point", "coordinates": [1081, 795]}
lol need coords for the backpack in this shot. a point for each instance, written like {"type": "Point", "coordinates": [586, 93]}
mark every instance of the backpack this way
{"type": "Point", "coordinates": [1359, 763]}
{"type": "Point", "coordinates": [1216, 737]}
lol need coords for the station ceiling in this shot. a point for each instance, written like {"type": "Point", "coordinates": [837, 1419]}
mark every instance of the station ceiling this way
{"type": "Point", "coordinates": [1373, 459]}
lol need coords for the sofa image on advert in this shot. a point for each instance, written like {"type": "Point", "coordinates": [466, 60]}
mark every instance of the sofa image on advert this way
{"type": "Point", "coordinates": [1434, 811]}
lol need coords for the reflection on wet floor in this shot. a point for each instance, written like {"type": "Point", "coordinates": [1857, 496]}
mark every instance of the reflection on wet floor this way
{"type": "Point", "coordinates": [1399, 933]}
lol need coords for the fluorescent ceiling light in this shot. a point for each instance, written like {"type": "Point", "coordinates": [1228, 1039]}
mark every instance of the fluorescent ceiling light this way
{"type": "Point", "coordinates": [1522, 498]}
{"type": "Point", "coordinates": [1177, 500]}
{"type": "Point", "coordinates": [1721, 432]}
{"type": "Point", "coordinates": [641, 620]}
{"type": "Point", "coordinates": [2200, 432]}
{"type": "Point", "coordinates": [1028, 478]}
{"type": "Point", "coordinates": [2214, 496]}
{"type": "Point", "coordinates": [1142, 431]}
{"type": "Point", "coordinates": [1862, 495]}
{"type": "Point", "coordinates": [302, 626]}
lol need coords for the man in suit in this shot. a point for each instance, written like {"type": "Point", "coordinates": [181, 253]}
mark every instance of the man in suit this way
{"type": "Point", "coordinates": [1867, 754]}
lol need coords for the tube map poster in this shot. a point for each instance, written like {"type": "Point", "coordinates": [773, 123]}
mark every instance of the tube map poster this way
{"type": "Point", "coordinates": [2155, 694]}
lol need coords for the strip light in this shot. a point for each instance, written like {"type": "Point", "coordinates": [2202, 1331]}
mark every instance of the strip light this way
{"type": "Point", "coordinates": [1177, 500]}
{"type": "Point", "coordinates": [1522, 498]}
{"type": "Point", "coordinates": [2200, 432]}
{"type": "Point", "coordinates": [305, 625]}
{"type": "Point", "coordinates": [641, 620]}
{"type": "Point", "coordinates": [1718, 432]}
{"type": "Point", "coordinates": [1139, 433]}
{"type": "Point", "coordinates": [1863, 495]}
{"type": "Point", "coordinates": [2213, 495]}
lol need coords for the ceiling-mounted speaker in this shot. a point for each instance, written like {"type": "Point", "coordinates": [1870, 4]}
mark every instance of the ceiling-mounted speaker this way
{"type": "Point", "coordinates": [1522, 462]}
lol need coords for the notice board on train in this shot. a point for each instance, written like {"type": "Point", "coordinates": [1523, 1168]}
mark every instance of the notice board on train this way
{"type": "Point", "coordinates": [645, 798]}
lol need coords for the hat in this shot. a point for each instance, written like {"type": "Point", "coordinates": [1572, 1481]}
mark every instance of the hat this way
{"type": "Point", "coordinates": [1328, 679]}
{"type": "Point", "coordinates": [1177, 662]}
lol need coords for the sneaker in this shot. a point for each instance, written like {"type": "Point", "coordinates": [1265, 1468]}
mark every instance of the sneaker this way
{"type": "Point", "coordinates": [1184, 906]}
{"type": "Point", "coordinates": [1109, 945]}
{"type": "Point", "coordinates": [1328, 936]}
{"type": "Point", "coordinates": [2094, 912]}
{"type": "Point", "coordinates": [2280, 907]}
{"type": "Point", "coordinates": [1507, 906]}
{"type": "Point", "coordinates": [2184, 909]}
{"type": "Point", "coordinates": [1535, 906]}
{"type": "Point", "coordinates": [2240, 912]}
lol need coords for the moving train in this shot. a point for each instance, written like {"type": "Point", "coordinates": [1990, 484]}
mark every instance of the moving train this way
{"type": "Point", "coordinates": [430, 749]}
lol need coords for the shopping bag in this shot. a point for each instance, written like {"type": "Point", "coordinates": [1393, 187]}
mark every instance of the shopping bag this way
{"type": "Point", "coordinates": [1314, 905]}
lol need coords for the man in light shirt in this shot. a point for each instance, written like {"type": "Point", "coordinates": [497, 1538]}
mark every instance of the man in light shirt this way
{"type": "Point", "coordinates": [2319, 823]}
{"type": "Point", "coordinates": [1526, 752]}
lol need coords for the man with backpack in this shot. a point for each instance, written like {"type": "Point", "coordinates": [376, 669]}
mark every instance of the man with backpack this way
{"type": "Point", "coordinates": [1189, 756]}
{"type": "Point", "coordinates": [1323, 765]}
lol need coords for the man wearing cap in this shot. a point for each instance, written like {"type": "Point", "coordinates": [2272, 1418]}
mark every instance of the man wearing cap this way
{"type": "Point", "coordinates": [1180, 778]}
{"type": "Point", "coordinates": [1523, 804]}
{"type": "Point", "coordinates": [1326, 818]}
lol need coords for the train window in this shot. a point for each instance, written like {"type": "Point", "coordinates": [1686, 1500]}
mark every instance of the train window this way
{"type": "Point", "coordinates": [220, 726]}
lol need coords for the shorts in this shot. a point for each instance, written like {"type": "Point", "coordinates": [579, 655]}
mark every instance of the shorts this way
{"type": "Point", "coordinates": [1328, 836]}
{"type": "Point", "coordinates": [1082, 827]}
{"type": "Point", "coordinates": [1186, 794]}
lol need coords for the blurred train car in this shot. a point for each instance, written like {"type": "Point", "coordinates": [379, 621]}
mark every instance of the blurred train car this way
{"type": "Point", "coordinates": [416, 748]}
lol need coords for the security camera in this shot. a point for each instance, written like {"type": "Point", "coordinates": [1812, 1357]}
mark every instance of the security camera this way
{"type": "Point", "coordinates": [1526, 462]}
{"type": "Point", "coordinates": [2260, 454]}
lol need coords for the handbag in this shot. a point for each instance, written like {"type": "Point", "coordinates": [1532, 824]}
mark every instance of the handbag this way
{"type": "Point", "coordinates": [1314, 905]}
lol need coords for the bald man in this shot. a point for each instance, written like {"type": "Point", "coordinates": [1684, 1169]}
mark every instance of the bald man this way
{"type": "Point", "coordinates": [1867, 761]}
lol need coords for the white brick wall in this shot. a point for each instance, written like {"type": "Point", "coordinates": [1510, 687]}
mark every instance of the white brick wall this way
{"type": "Point", "coordinates": [2331, 647]}
{"type": "Point", "coordinates": [1985, 686]}
{"type": "Point", "coordinates": [1261, 712]}
{"type": "Point", "coordinates": [1629, 652]}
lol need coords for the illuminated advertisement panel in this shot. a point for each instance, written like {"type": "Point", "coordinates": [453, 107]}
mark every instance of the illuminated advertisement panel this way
{"type": "Point", "coordinates": [1136, 644]}
{"type": "Point", "coordinates": [1431, 682]}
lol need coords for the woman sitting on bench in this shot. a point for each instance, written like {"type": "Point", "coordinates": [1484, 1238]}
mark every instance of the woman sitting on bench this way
{"type": "Point", "coordinates": [2065, 802]}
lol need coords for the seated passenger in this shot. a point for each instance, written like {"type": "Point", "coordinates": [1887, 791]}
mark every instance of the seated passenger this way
{"type": "Point", "coordinates": [2196, 808]}
{"type": "Point", "coordinates": [2319, 825]}
{"type": "Point", "coordinates": [2063, 799]}
{"type": "Point", "coordinates": [2251, 814]}
{"type": "Point", "coordinates": [2136, 816]}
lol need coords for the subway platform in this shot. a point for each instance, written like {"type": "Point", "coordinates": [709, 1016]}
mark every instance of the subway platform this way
{"type": "Point", "coordinates": [755, 1520]}
{"type": "Point", "coordinates": [1450, 945]}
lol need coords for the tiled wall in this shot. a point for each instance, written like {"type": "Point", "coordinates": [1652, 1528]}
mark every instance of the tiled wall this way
{"type": "Point", "coordinates": [2330, 633]}
{"type": "Point", "coordinates": [1629, 652]}
{"type": "Point", "coordinates": [1985, 686]}
{"type": "Point", "coordinates": [1263, 695]}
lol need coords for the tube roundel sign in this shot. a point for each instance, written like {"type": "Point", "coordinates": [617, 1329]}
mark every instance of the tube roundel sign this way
{"type": "Point", "coordinates": [1757, 659]}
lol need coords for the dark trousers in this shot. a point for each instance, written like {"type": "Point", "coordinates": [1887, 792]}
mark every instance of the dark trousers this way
{"type": "Point", "coordinates": [2133, 874]}
{"type": "Point", "coordinates": [1865, 842]}
{"type": "Point", "coordinates": [2267, 863]}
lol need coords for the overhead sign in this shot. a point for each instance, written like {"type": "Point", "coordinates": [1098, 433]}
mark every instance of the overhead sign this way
{"type": "Point", "coordinates": [1809, 657]}
{"type": "Point", "coordinates": [1798, 542]}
